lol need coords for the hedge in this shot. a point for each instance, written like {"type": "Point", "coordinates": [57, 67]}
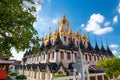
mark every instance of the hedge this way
{"type": "Point", "coordinates": [13, 74]}
{"type": "Point", "coordinates": [21, 77]}
{"type": "Point", "coordinates": [59, 75]}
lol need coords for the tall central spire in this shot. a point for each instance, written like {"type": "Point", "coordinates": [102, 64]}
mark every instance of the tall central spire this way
{"type": "Point", "coordinates": [64, 21]}
{"type": "Point", "coordinates": [64, 25]}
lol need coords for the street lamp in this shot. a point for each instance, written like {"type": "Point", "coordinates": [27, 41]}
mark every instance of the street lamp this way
{"type": "Point", "coordinates": [24, 59]}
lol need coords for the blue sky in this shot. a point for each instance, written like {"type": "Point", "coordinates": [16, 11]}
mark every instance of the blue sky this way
{"type": "Point", "coordinates": [98, 17]}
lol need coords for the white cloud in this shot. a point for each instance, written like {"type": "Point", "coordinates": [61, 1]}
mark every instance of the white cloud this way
{"type": "Point", "coordinates": [41, 19]}
{"type": "Point", "coordinates": [55, 21]}
{"type": "Point", "coordinates": [82, 25]}
{"type": "Point", "coordinates": [118, 8]}
{"type": "Point", "coordinates": [103, 30]}
{"type": "Point", "coordinates": [114, 46]}
{"type": "Point", "coordinates": [114, 52]}
{"type": "Point", "coordinates": [94, 25]}
{"type": "Point", "coordinates": [115, 19]}
{"type": "Point", "coordinates": [45, 22]}
{"type": "Point", "coordinates": [106, 24]}
{"type": "Point", "coordinates": [17, 56]}
{"type": "Point", "coordinates": [37, 5]}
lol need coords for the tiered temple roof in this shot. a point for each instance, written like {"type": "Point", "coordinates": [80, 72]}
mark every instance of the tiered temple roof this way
{"type": "Point", "coordinates": [55, 41]}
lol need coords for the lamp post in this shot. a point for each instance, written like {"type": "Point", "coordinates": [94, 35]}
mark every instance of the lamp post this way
{"type": "Point", "coordinates": [24, 59]}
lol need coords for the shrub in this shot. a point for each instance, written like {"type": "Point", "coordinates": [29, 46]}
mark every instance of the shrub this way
{"type": "Point", "coordinates": [21, 77]}
{"type": "Point", "coordinates": [59, 75]}
{"type": "Point", "coordinates": [13, 74]}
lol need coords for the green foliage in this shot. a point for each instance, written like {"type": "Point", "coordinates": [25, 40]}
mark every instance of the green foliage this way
{"type": "Point", "coordinates": [16, 26]}
{"type": "Point", "coordinates": [13, 74]}
{"type": "Point", "coordinates": [1, 54]}
{"type": "Point", "coordinates": [111, 65]}
{"type": "Point", "coordinates": [21, 77]}
{"type": "Point", "coordinates": [59, 75]}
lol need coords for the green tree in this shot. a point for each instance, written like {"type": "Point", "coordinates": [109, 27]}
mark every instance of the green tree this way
{"type": "Point", "coordinates": [112, 67]}
{"type": "Point", "coordinates": [16, 26]}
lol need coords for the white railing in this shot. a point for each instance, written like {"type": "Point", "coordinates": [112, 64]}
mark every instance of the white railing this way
{"type": "Point", "coordinates": [97, 74]}
{"type": "Point", "coordinates": [67, 78]}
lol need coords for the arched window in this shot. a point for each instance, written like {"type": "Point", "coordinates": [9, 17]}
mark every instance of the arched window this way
{"type": "Point", "coordinates": [68, 40]}
{"type": "Point", "coordinates": [65, 39]}
{"type": "Point", "coordinates": [68, 56]}
{"type": "Point", "coordinates": [43, 56]}
{"type": "Point", "coordinates": [61, 55]}
{"type": "Point", "coordinates": [90, 57]}
{"type": "Point", "coordinates": [86, 57]}
{"type": "Point", "coordinates": [77, 43]}
{"type": "Point", "coordinates": [94, 57]}
{"type": "Point", "coordinates": [52, 40]}
{"type": "Point", "coordinates": [67, 73]}
{"type": "Point", "coordinates": [53, 55]}
{"type": "Point", "coordinates": [74, 40]}
{"type": "Point", "coordinates": [60, 72]}
{"type": "Point", "coordinates": [48, 56]}
{"type": "Point", "coordinates": [75, 56]}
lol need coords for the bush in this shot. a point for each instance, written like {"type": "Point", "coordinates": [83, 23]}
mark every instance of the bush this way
{"type": "Point", "coordinates": [13, 74]}
{"type": "Point", "coordinates": [59, 75]}
{"type": "Point", "coordinates": [21, 77]}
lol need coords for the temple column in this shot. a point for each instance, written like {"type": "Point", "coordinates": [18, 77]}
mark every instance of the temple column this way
{"type": "Point", "coordinates": [73, 57]}
{"type": "Point", "coordinates": [35, 74]}
{"type": "Point", "coordinates": [65, 56]}
{"type": "Point", "coordinates": [51, 76]}
{"type": "Point", "coordinates": [50, 56]}
{"type": "Point", "coordinates": [102, 77]}
{"type": "Point", "coordinates": [32, 74]}
{"type": "Point", "coordinates": [96, 77]}
{"type": "Point", "coordinates": [40, 76]}
{"type": "Point", "coordinates": [28, 73]}
{"type": "Point", "coordinates": [46, 57]}
{"type": "Point", "coordinates": [57, 56]}
{"type": "Point", "coordinates": [46, 76]}
{"type": "Point", "coordinates": [38, 73]}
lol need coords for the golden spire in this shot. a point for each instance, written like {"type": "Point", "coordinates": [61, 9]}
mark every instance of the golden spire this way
{"type": "Point", "coordinates": [64, 21]}
{"type": "Point", "coordinates": [50, 36]}
{"type": "Point", "coordinates": [78, 34]}
{"type": "Point", "coordinates": [70, 32]}
{"type": "Point", "coordinates": [55, 34]}
{"type": "Point", "coordinates": [84, 37]}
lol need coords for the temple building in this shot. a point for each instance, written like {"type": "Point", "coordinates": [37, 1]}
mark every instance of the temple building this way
{"type": "Point", "coordinates": [59, 51]}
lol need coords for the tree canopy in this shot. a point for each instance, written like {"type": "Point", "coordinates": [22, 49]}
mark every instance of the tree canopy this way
{"type": "Point", "coordinates": [16, 26]}
{"type": "Point", "coordinates": [111, 65]}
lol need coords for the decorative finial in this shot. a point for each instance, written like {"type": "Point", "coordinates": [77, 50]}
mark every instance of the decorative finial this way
{"type": "Point", "coordinates": [80, 33]}
{"type": "Point", "coordinates": [43, 34]}
{"type": "Point", "coordinates": [64, 16]}
{"type": "Point", "coordinates": [49, 29]}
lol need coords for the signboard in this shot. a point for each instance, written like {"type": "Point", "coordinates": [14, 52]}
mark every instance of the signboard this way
{"type": "Point", "coordinates": [3, 71]}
